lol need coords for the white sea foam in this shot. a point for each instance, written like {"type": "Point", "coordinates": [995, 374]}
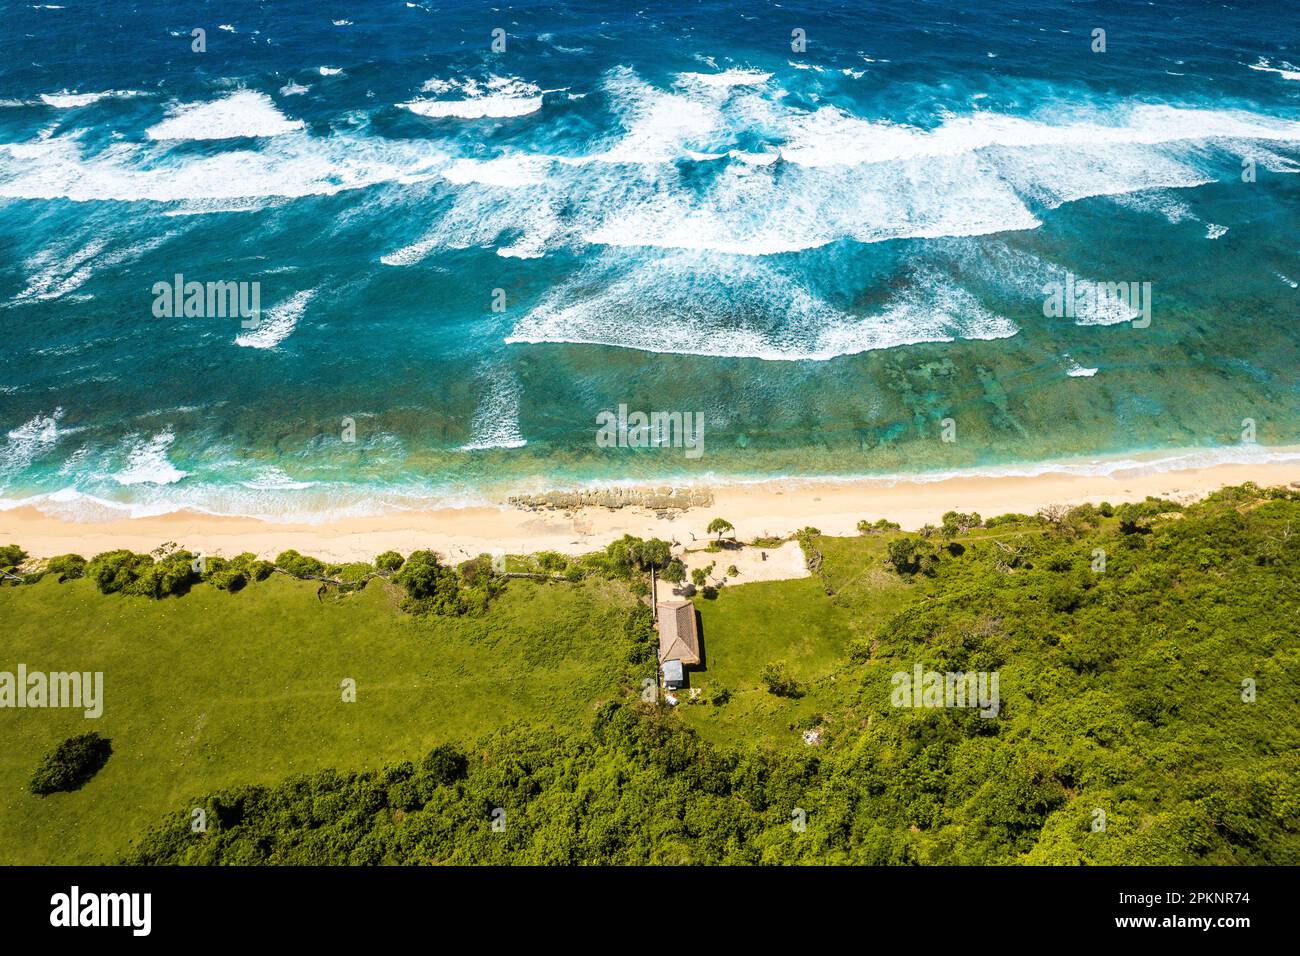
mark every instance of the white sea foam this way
{"type": "Point", "coordinates": [505, 171]}
{"type": "Point", "coordinates": [29, 440]}
{"type": "Point", "coordinates": [1286, 71]}
{"type": "Point", "coordinates": [147, 463]}
{"type": "Point", "coordinates": [293, 89]}
{"type": "Point", "coordinates": [703, 304]}
{"type": "Point", "coordinates": [1078, 371]}
{"type": "Point", "coordinates": [330, 70]}
{"type": "Point", "coordinates": [67, 100]}
{"type": "Point", "coordinates": [1214, 230]}
{"type": "Point", "coordinates": [278, 323]}
{"type": "Point", "coordinates": [496, 98]}
{"type": "Point", "coordinates": [725, 79]}
{"type": "Point", "coordinates": [973, 175]}
{"type": "Point", "coordinates": [63, 268]}
{"type": "Point", "coordinates": [288, 166]}
{"type": "Point", "coordinates": [242, 113]}
{"type": "Point", "coordinates": [273, 478]}
{"type": "Point", "coordinates": [496, 423]}
{"type": "Point", "coordinates": [831, 136]}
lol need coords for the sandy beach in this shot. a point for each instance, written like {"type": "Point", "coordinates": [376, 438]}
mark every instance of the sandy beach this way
{"type": "Point", "coordinates": [768, 509]}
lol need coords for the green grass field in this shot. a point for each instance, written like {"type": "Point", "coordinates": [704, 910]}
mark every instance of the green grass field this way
{"type": "Point", "coordinates": [749, 625]}
{"type": "Point", "coordinates": [214, 689]}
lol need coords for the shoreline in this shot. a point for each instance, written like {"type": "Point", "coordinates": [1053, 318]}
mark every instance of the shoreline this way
{"type": "Point", "coordinates": [773, 508]}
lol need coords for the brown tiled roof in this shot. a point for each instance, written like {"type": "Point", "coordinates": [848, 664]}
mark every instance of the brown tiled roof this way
{"type": "Point", "coordinates": [679, 638]}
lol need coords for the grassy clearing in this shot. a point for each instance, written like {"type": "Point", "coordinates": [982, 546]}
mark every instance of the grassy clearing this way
{"type": "Point", "coordinates": [214, 689]}
{"type": "Point", "coordinates": [797, 621]}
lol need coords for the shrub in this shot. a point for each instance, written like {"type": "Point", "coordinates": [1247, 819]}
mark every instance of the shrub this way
{"type": "Point", "coordinates": [228, 579]}
{"type": "Point", "coordinates": [115, 571]}
{"type": "Point", "coordinates": [778, 680]}
{"type": "Point", "coordinates": [72, 764]}
{"type": "Point", "coordinates": [173, 575]}
{"type": "Point", "coordinates": [552, 562]}
{"type": "Point", "coordinates": [878, 527]}
{"type": "Point", "coordinates": [11, 555]}
{"type": "Point", "coordinates": [430, 585]}
{"type": "Point", "coordinates": [389, 561]}
{"type": "Point", "coordinates": [67, 566]}
{"type": "Point", "coordinates": [298, 565]}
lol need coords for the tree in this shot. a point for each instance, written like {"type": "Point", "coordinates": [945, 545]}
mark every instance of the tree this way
{"type": "Point", "coordinates": [903, 555]}
{"type": "Point", "coordinates": [955, 523]}
{"type": "Point", "coordinates": [674, 572]}
{"type": "Point", "coordinates": [721, 526]}
{"type": "Point", "coordinates": [71, 765]}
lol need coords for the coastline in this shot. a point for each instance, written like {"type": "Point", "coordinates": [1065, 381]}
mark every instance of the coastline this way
{"type": "Point", "coordinates": [770, 508]}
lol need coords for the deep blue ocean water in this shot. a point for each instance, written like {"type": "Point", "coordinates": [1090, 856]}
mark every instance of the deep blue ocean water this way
{"type": "Point", "coordinates": [465, 254]}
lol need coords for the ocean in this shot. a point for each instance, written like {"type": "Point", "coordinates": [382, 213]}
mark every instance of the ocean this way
{"type": "Point", "coordinates": [849, 239]}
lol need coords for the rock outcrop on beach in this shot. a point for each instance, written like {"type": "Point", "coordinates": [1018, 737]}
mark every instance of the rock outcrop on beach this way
{"type": "Point", "coordinates": [654, 499]}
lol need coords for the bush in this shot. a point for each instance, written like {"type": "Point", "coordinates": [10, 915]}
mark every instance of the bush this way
{"type": "Point", "coordinates": [778, 680]}
{"type": "Point", "coordinates": [878, 527]}
{"type": "Point", "coordinates": [552, 562]}
{"type": "Point", "coordinates": [72, 764]}
{"type": "Point", "coordinates": [300, 566]}
{"type": "Point", "coordinates": [431, 587]}
{"type": "Point", "coordinates": [389, 561]}
{"type": "Point", "coordinates": [228, 579]}
{"type": "Point", "coordinates": [11, 556]}
{"type": "Point", "coordinates": [67, 566]}
{"type": "Point", "coordinates": [173, 575]}
{"type": "Point", "coordinates": [116, 571]}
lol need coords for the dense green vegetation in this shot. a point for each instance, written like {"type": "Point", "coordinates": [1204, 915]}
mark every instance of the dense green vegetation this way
{"type": "Point", "coordinates": [1148, 658]}
{"type": "Point", "coordinates": [71, 764]}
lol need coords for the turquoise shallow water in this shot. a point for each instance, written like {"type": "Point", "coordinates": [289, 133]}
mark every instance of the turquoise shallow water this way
{"type": "Point", "coordinates": [836, 256]}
